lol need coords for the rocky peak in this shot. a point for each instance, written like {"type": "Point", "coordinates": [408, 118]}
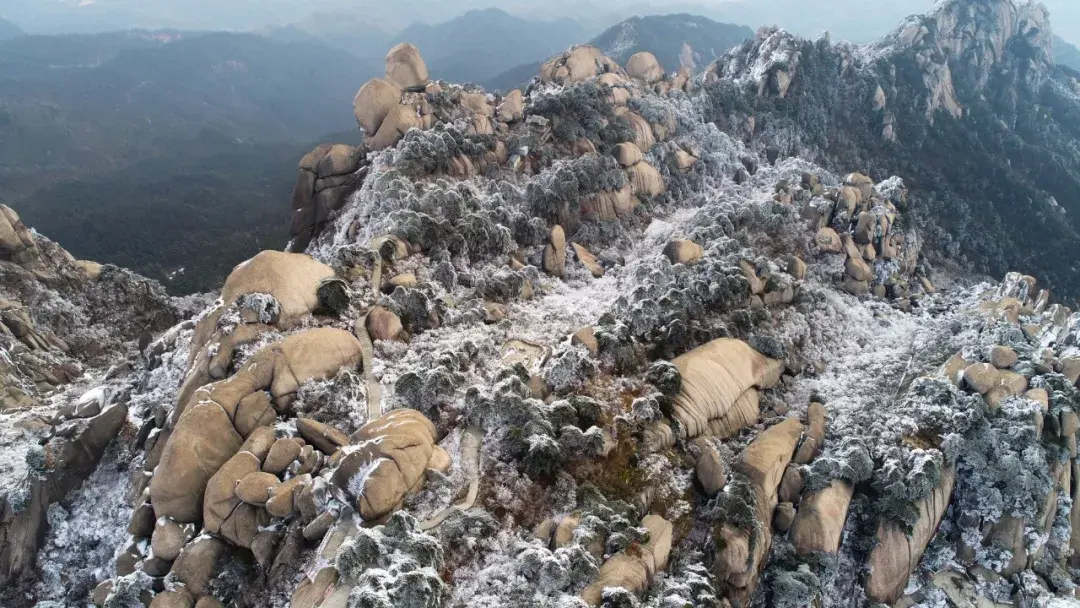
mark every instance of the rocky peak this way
{"type": "Point", "coordinates": [967, 42]}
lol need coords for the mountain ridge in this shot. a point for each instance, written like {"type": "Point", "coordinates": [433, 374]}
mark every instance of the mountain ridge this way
{"type": "Point", "coordinates": [625, 338]}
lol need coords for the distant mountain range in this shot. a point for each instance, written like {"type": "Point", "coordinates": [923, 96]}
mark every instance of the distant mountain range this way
{"type": "Point", "coordinates": [472, 47]}
{"type": "Point", "coordinates": [9, 30]}
{"type": "Point", "coordinates": [676, 40]}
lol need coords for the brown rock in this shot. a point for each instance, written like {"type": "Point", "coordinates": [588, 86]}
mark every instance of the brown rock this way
{"type": "Point", "coordinates": [142, 521]}
{"type": "Point", "coordinates": [223, 512]}
{"type": "Point", "coordinates": [953, 368]}
{"type": "Point", "coordinates": [797, 268]}
{"type": "Point", "coordinates": [710, 468]}
{"type": "Point", "coordinates": [281, 455]}
{"type": "Point", "coordinates": [644, 66]}
{"type": "Point", "coordinates": [783, 517]}
{"type": "Point", "coordinates": [1002, 357]}
{"type": "Point", "coordinates": [981, 377]}
{"type": "Point", "coordinates": [324, 437]}
{"type": "Point", "coordinates": [259, 442]}
{"type": "Point", "coordinates": [198, 563]}
{"type": "Point", "coordinates": [253, 412]}
{"type": "Point", "coordinates": [405, 67]}
{"type": "Point", "coordinates": [310, 594]}
{"type": "Point", "coordinates": [209, 601]}
{"type": "Point", "coordinates": [203, 440]}
{"type": "Point", "coordinates": [373, 102]}
{"type": "Point", "coordinates": [390, 462]}
{"type": "Point", "coordinates": [828, 241]}
{"type": "Point", "coordinates": [820, 520]}
{"type": "Point", "coordinates": [555, 254]}
{"type": "Point", "coordinates": [682, 251]}
{"type": "Point", "coordinates": [255, 488]}
{"type": "Point", "coordinates": [791, 485]}
{"type": "Point", "coordinates": [588, 260]}
{"type": "Point", "coordinates": [512, 108]}
{"type": "Point", "coordinates": [180, 598]}
{"type": "Point", "coordinates": [864, 228]}
{"type": "Point", "coordinates": [282, 502]}
{"type": "Point", "coordinates": [1039, 396]}
{"type": "Point", "coordinates": [586, 338]}
{"type": "Point", "coordinates": [383, 324]}
{"type": "Point", "coordinates": [168, 540]}
{"type": "Point", "coordinates": [101, 593]}
{"type": "Point", "coordinates": [763, 462]}
{"type": "Point", "coordinates": [1070, 368]}
{"type": "Point", "coordinates": [628, 154]}
{"type": "Point", "coordinates": [263, 546]}
{"type": "Point", "coordinates": [858, 269]}
{"type": "Point", "coordinates": [718, 393]}
{"type": "Point", "coordinates": [1070, 424]}
{"type": "Point", "coordinates": [814, 436]}
{"type": "Point", "coordinates": [645, 179]}
{"type": "Point", "coordinates": [897, 554]}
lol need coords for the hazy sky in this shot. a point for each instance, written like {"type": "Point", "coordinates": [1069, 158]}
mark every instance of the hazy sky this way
{"type": "Point", "coordinates": [855, 20]}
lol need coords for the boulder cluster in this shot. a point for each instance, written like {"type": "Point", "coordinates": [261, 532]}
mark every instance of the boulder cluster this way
{"type": "Point", "coordinates": [225, 471]}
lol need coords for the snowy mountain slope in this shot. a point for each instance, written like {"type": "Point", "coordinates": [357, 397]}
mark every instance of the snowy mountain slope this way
{"type": "Point", "coordinates": [966, 104]}
{"type": "Point", "coordinates": [642, 362]}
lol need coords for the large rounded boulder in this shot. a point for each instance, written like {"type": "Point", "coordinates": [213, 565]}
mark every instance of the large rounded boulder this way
{"type": "Point", "coordinates": [405, 67]}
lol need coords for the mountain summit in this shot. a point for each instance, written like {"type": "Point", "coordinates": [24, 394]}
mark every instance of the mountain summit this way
{"type": "Point", "coordinates": [626, 337]}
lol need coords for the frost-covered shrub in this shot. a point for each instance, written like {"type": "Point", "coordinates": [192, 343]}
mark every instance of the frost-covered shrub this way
{"type": "Point", "coordinates": [394, 565]}
{"type": "Point", "coordinates": [938, 407]}
{"type": "Point", "coordinates": [848, 460]}
{"type": "Point", "coordinates": [768, 345]}
{"type": "Point", "coordinates": [735, 506]}
{"type": "Point", "coordinates": [422, 152]}
{"type": "Point", "coordinates": [417, 308]}
{"type": "Point", "coordinates": [435, 381]}
{"type": "Point", "coordinates": [582, 111]}
{"type": "Point", "coordinates": [906, 477]}
{"type": "Point", "coordinates": [499, 284]}
{"type": "Point", "coordinates": [339, 401]}
{"type": "Point", "coordinates": [618, 349]}
{"type": "Point", "coordinates": [570, 369]}
{"type": "Point", "coordinates": [687, 583]}
{"type": "Point", "coordinates": [793, 588]}
{"type": "Point", "coordinates": [645, 409]}
{"type": "Point", "coordinates": [558, 190]}
{"type": "Point", "coordinates": [665, 377]}
{"type": "Point", "coordinates": [1001, 469]}
{"type": "Point", "coordinates": [264, 306]}
{"type": "Point", "coordinates": [617, 597]}
{"type": "Point", "coordinates": [462, 534]}
{"type": "Point", "coordinates": [129, 591]}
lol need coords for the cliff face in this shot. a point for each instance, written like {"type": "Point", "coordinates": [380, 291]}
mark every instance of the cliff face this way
{"type": "Point", "coordinates": [605, 341]}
